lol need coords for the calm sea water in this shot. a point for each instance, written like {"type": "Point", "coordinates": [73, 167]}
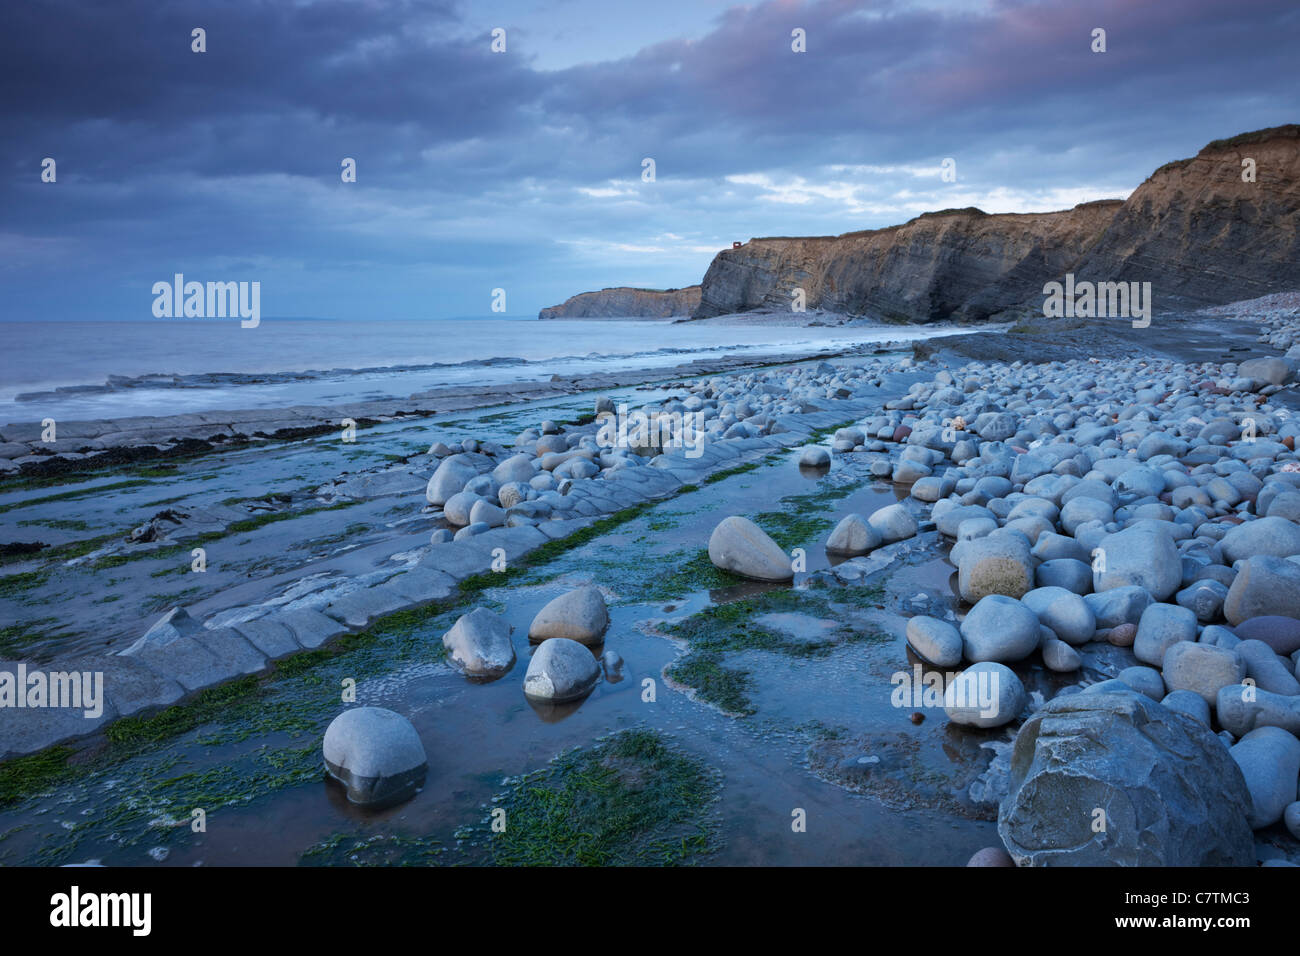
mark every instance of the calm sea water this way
{"type": "Point", "coordinates": [348, 361]}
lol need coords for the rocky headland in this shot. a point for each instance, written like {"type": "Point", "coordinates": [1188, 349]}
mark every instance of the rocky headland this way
{"type": "Point", "coordinates": [622, 302]}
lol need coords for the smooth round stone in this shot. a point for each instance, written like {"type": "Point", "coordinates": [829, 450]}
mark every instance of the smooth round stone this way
{"type": "Point", "coordinates": [999, 628]}
{"type": "Point", "coordinates": [814, 456]}
{"type": "Point", "coordinates": [1144, 680]}
{"type": "Point", "coordinates": [1119, 605]}
{"type": "Point", "coordinates": [934, 641]}
{"type": "Point", "coordinates": [376, 754]}
{"type": "Point", "coordinates": [1269, 759]}
{"type": "Point", "coordinates": [1161, 627]}
{"type": "Point", "coordinates": [1060, 657]}
{"type": "Point", "coordinates": [894, 523]}
{"type": "Point", "coordinates": [853, 536]}
{"type": "Point", "coordinates": [1032, 527]}
{"type": "Point", "coordinates": [973, 528]}
{"type": "Point", "coordinates": [1083, 509]}
{"type": "Point", "coordinates": [1271, 536]}
{"type": "Point", "coordinates": [1141, 481]}
{"type": "Point", "coordinates": [512, 493]}
{"type": "Point", "coordinates": [1142, 557]}
{"type": "Point", "coordinates": [928, 488]}
{"type": "Point", "coordinates": [1066, 613]}
{"type": "Point", "coordinates": [986, 694]}
{"type": "Point", "coordinates": [991, 856]}
{"type": "Point", "coordinates": [1122, 635]}
{"type": "Point", "coordinates": [471, 530]}
{"type": "Point", "coordinates": [458, 508]}
{"type": "Point", "coordinates": [906, 472]}
{"type": "Point", "coordinates": [1203, 598]}
{"type": "Point", "coordinates": [1267, 669]}
{"type": "Point", "coordinates": [487, 513]}
{"type": "Point", "coordinates": [1202, 669]}
{"type": "Point", "coordinates": [1218, 637]}
{"type": "Point", "coordinates": [560, 670]}
{"type": "Point", "coordinates": [1280, 633]}
{"type": "Point", "coordinates": [1067, 573]}
{"type": "Point", "coordinates": [451, 476]}
{"type": "Point", "coordinates": [997, 563]}
{"type": "Point", "coordinates": [952, 519]}
{"type": "Point", "coordinates": [1189, 703]}
{"type": "Point", "coordinates": [479, 643]}
{"type": "Point", "coordinates": [1265, 586]}
{"type": "Point", "coordinates": [1052, 546]}
{"type": "Point", "coordinates": [1291, 817]}
{"type": "Point", "coordinates": [742, 547]}
{"type": "Point", "coordinates": [579, 615]}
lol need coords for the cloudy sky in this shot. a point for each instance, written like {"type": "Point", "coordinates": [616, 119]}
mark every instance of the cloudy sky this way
{"type": "Point", "coordinates": [523, 170]}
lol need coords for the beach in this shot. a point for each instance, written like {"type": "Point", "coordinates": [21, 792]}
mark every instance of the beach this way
{"type": "Point", "coordinates": [329, 564]}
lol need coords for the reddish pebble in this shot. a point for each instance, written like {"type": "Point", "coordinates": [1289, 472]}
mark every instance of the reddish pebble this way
{"type": "Point", "coordinates": [917, 717]}
{"type": "Point", "coordinates": [992, 856]}
{"type": "Point", "coordinates": [1123, 635]}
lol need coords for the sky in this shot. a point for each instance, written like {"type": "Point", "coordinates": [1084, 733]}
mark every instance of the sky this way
{"type": "Point", "coordinates": [522, 170]}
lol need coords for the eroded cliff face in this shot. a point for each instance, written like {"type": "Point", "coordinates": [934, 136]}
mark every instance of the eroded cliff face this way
{"type": "Point", "coordinates": [958, 264]}
{"type": "Point", "coordinates": [1201, 235]}
{"type": "Point", "coordinates": [622, 302]}
{"type": "Point", "coordinates": [1194, 230]}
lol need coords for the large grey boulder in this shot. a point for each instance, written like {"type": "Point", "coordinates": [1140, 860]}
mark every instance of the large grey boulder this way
{"type": "Point", "coordinates": [1202, 669]}
{"type": "Point", "coordinates": [1272, 536]}
{"type": "Point", "coordinates": [376, 754]}
{"type": "Point", "coordinates": [853, 536]}
{"type": "Point", "coordinates": [934, 641]}
{"type": "Point", "coordinates": [1066, 613]}
{"type": "Point", "coordinates": [999, 628]}
{"type": "Point", "coordinates": [1118, 606]}
{"type": "Point", "coordinates": [998, 563]}
{"type": "Point", "coordinates": [1139, 556]}
{"type": "Point", "coordinates": [1265, 586]}
{"type": "Point", "coordinates": [1266, 669]}
{"type": "Point", "coordinates": [1270, 369]}
{"type": "Point", "coordinates": [1243, 707]}
{"type": "Point", "coordinates": [479, 643]}
{"type": "Point", "coordinates": [894, 522]}
{"type": "Point", "coordinates": [1162, 783]}
{"type": "Point", "coordinates": [987, 694]}
{"type": "Point", "coordinates": [580, 615]}
{"type": "Point", "coordinates": [560, 670]}
{"type": "Point", "coordinates": [815, 456]}
{"type": "Point", "coordinates": [1160, 628]}
{"type": "Point", "coordinates": [1270, 761]}
{"type": "Point", "coordinates": [452, 475]}
{"type": "Point", "coordinates": [742, 547]}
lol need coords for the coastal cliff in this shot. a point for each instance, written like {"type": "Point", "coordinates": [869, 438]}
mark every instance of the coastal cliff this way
{"type": "Point", "coordinates": [959, 263]}
{"type": "Point", "coordinates": [1195, 230]}
{"type": "Point", "coordinates": [622, 302]}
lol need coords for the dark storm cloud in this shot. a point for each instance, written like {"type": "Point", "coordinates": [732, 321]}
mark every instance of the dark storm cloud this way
{"type": "Point", "coordinates": [483, 165]}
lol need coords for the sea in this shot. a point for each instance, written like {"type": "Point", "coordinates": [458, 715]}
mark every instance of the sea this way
{"type": "Point", "coordinates": [72, 371]}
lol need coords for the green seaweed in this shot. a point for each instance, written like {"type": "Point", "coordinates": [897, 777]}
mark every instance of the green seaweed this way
{"type": "Point", "coordinates": [632, 799]}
